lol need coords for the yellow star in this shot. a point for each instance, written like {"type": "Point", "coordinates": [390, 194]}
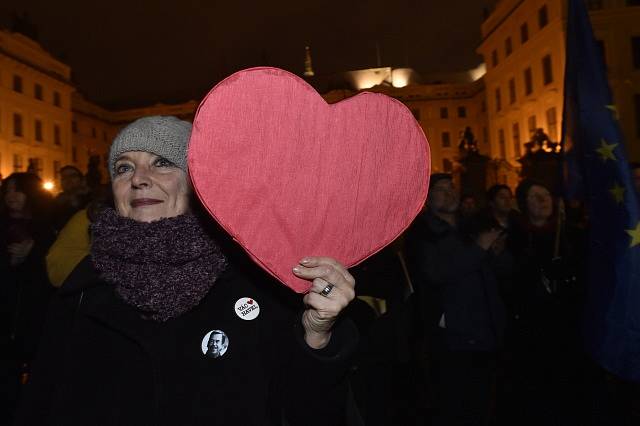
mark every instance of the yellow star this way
{"type": "Point", "coordinates": [606, 151]}
{"type": "Point", "coordinates": [613, 109]}
{"type": "Point", "coordinates": [618, 193]}
{"type": "Point", "coordinates": [635, 235]}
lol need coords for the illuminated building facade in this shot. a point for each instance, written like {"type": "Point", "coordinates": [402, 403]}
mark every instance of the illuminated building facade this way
{"type": "Point", "coordinates": [35, 108]}
{"type": "Point", "coordinates": [524, 50]}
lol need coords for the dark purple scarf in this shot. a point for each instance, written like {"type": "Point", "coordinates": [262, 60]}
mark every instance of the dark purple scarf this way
{"type": "Point", "coordinates": [163, 268]}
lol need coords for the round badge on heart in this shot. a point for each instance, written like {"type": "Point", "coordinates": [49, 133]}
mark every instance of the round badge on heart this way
{"type": "Point", "coordinates": [288, 175]}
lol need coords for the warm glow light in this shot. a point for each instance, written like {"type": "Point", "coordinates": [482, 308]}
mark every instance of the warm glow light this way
{"type": "Point", "coordinates": [478, 72]}
{"type": "Point", "coordinates": [48, 185]}
{"type": "Point", "coordinates": [400, 77]}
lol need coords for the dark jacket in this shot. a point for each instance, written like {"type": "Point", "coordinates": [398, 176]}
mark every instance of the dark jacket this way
{"type": "Point", "coordinates": [455, 277]}
{"type": "Point", "coordinates": [100, 363]}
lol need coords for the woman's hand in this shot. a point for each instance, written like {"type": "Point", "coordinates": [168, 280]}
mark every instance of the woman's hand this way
{"type": "Point", "coordinates": [18, 252]}
{"type": "Point", "coordinates": [332, 290]}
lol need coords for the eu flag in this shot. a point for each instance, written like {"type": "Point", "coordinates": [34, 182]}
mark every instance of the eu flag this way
{"type": "Point", "coordinates": [598, 172]}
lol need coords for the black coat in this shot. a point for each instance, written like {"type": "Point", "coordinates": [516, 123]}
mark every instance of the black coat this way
{"type": "Point", "coordinates": [100, 363]}
{"type": "Point", "coordinates": [455, 277]}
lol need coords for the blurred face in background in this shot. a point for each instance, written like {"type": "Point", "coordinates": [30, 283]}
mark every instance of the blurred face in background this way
{"type": "Point", "coordinates": [70, 179]}
{"type": "Point", "coordinates": [502, 203]}
{"type": "Point", "coordinates": [443, 197]}
{"type": "Point", "coordinates": [14, 200]}
{"type": "Point", "coordinates": [539, 204]}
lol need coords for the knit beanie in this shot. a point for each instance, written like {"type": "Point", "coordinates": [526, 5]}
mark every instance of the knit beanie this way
{"type": "Point", "coordinates": [165, 136]}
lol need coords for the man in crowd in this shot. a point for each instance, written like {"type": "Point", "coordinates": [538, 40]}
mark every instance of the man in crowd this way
{"type": "Point", "coordinates": [454, 275]}
{"type": "Point", "coordinates": [74, 195]}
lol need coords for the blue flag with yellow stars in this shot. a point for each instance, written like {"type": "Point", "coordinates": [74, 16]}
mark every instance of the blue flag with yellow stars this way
{"type": "Point", "coordinates": [598, 172]}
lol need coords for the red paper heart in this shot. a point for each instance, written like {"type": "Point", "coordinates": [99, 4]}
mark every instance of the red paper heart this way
{"type": "Point", "coordinates": [250, 302]}
{"type": "Point", "coordinates": [288, 175]}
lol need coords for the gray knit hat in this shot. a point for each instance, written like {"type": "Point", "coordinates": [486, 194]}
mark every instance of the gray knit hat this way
{"type": "Point", "coordinates": [165, 136]}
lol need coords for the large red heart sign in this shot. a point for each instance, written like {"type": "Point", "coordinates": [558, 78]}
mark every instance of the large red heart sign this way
{"type": "Point", "coordinates": [288, 175]}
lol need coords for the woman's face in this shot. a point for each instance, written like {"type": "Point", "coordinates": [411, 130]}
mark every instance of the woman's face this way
{"type": "Point", "coordinates": [539, 203]}
{"type": "Point", "coordinates": [147, 187]}
{"type": "Point", "coordinates": [14, 200]}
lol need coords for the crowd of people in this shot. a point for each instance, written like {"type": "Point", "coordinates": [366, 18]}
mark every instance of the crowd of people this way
{"type": "Point", "coordinates": [472, 317]}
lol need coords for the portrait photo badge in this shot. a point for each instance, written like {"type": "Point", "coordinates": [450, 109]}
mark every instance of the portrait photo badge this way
{"type": "Point", "coordinates": [247, 308]}
{"type": "Point", "coordinates": [215, 344]}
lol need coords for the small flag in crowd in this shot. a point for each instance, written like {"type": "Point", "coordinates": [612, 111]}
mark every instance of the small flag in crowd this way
{"type": "Point", "coordinates": [597, 171]}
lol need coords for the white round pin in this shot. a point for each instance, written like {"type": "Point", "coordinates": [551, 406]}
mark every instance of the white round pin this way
{"type": "Point", "coordinates": [214, 344]}
{"type": "Point", "coordinates": [247, 308]}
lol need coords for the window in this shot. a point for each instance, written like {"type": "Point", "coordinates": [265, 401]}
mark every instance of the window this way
{"type": "Point", "coordinates": [494, 58]}
{"type": "Point", "coordinates": [74, 126]}
{"type": "Point", "coordinates": [512, 91]}
{"type": "Point", "coordinates": [524, 33]}
{"type": "Point", "coordinates": [547, 70]}
{"type": "Point", "coordinates": [414, 111]}
{"type": "Point", "coordinates": [56, 170]}
{"type": "Point", "coordinates": [528, 82]}
{"type": "Point", "coordinates": [74, 154]}
{"type": "Point", "coordinates": [485, 135]}
{"type": "Point", "coordinates": [17, 83]}
{"type": "Point", "coordinates": [56, 99]}
{"type": "Point", "coordinates": [517, 145]}
{"type": "Point", "coordinates": [93, 132]}
{"type": "Point", "coordinates": [502, 144]}
{"type": "Point", "coordinates": [37, 91]}
{"type": "Point", "coordinates": [543, 16]}
{"type": "Point", "coordinates": [17, 162]}
{"type": "Point", "coordinates": [635, 46]}
{"type": "Point", "coordinates": [35, 166]}
{"type": "Point", "coordinates": [498, 100]}
{"type": "Point", "coordinates": [508, 46]}
{"type": "Point", "coordinates": [462, 112]}
{"type": "Point", "coordinates": [446, 140]}
{"type": "Point", "coordinates": [17, 125]}
{"type": "Point", "coordinates": [444, 112]}
{"type": "Point", "coordinates": [594, 4]}
{"type": "Point", "coordinates": [532, 124]}
{"type": "Point", "coordinates": [447, 165]}
{"type": "Point", "coordinates": [38, 130]}
{"type": "Point", "coordinates": [56, 134]}
{"type": "Point", "coordinates": [552, 124]}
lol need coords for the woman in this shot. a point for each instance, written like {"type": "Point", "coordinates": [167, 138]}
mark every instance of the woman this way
{"type": "Point", "coordinates": [158, 326]}
{"type": "Point", "coordinates": [25, 236]}
{"type": "Point", "coordinates": [547, 303]}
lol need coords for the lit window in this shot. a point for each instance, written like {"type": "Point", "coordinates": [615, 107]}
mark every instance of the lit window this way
{"type": "Point", "coordinates": [56, 99]}
{"type": "Point", "coordinates": [532, 124]}
{"type": "Point", "coordinates": [462, 112]}
{"type": "Point", "coordinates": [444, 112]}
{"type": "Point", "coordinates": [517, 146]}
{"type": "Point", "coordinates": [494, 58]}
{"type": "Point", "coordinates": [552, 124]}
{"type": "Point", "coordinates": [512, 91]}
{"type": "Point", "coordinates": [508, 46]}
{"type": "Point", "coordinates": [498, 100]}
{"type": "Point", "coordinates": [502, 143]}
{"type": "Point", "coordinates": [56, 134]}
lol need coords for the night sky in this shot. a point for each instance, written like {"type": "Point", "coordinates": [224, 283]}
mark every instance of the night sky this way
{"type": "Point", "coordinates": [133, 53]}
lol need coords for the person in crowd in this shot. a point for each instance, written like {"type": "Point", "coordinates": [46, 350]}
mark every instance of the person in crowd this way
{"type": "Point", "coordinates": [25, 236]}
{"type": "Point", "coordinates": [469, 206]}
{"type": "Point", "coordinates": [74, 195]}
{"type": "Point", "coordinates": [127, 334]}
{"type": "Point", "coordinates": [547, 299]}
{"type": "Point", "coordinates": [454, 276]}
{"type": "Point", "coordinates": [500, 203]}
